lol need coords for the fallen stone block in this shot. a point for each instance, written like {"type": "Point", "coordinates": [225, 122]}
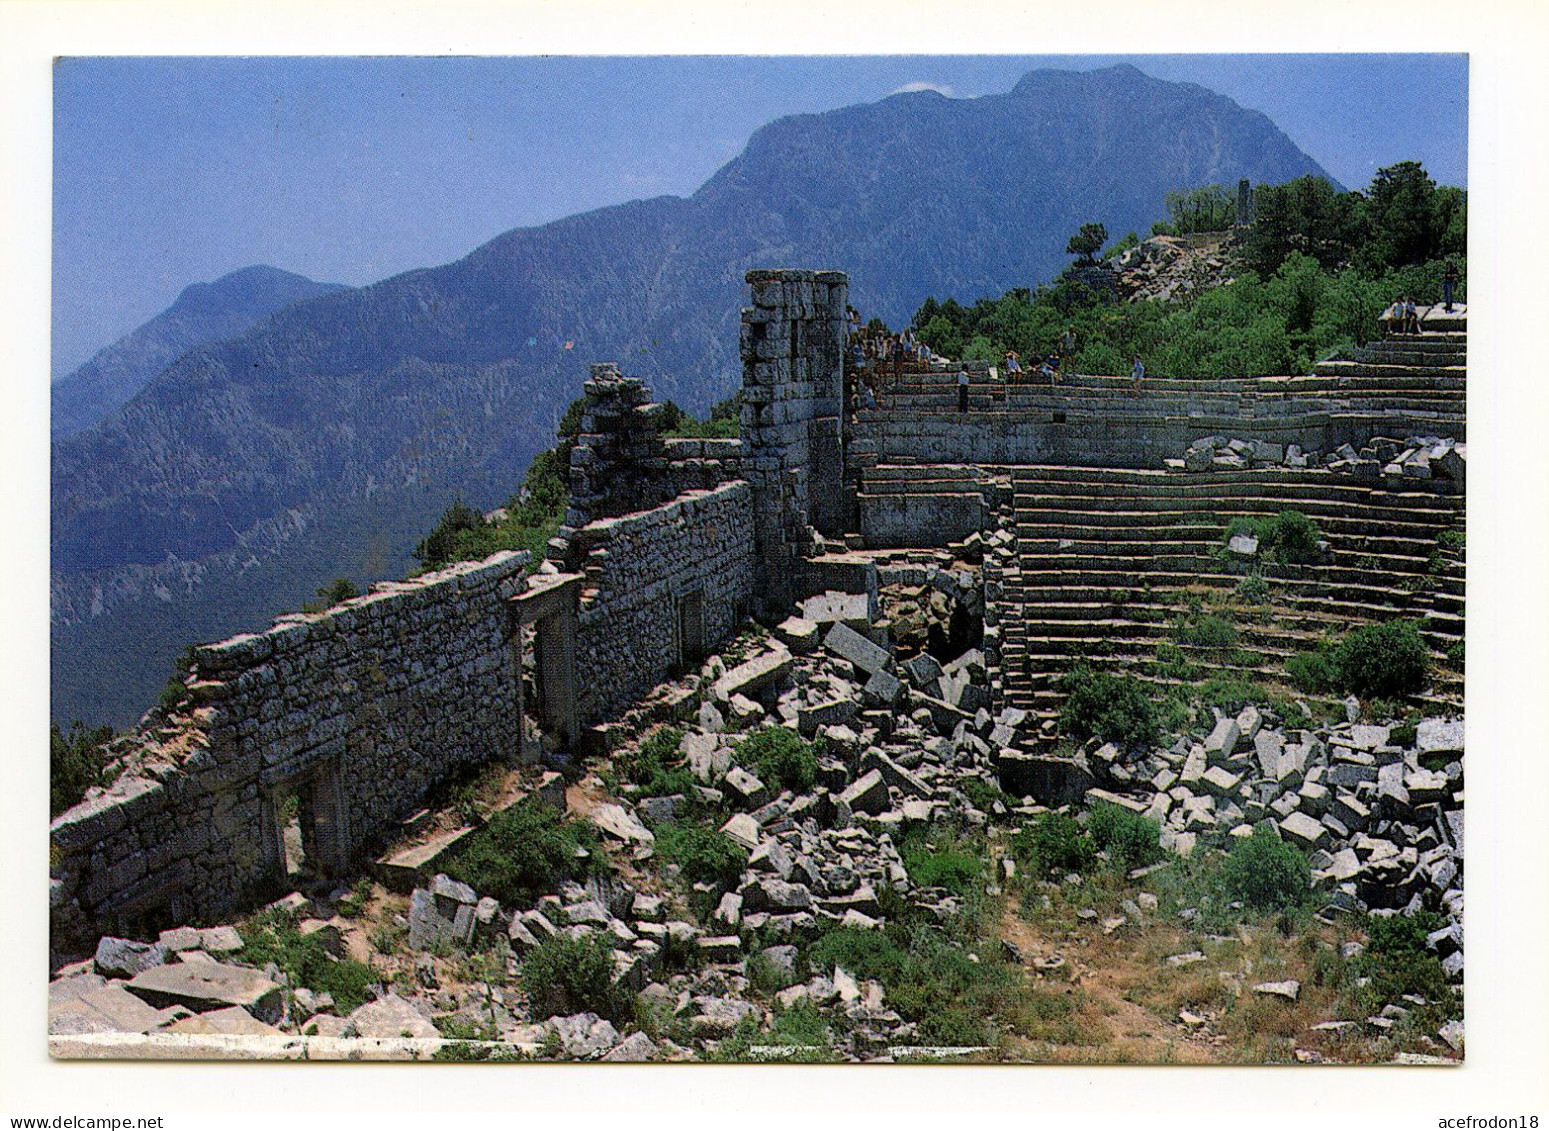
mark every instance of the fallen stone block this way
{"type": "Point", "coordinates": [1048, 780]}
{"type": "Point", "coordinates": [894, 774]}
{"type": "Point", "coordinates": [124, 958]}
{"type": "Point", "coordinates": [850, 645]}
{"type": "Point", "coordinates": [1222, 740]}
{"type": "Point", "coordinates": [799, 634]}
{"type": "Point", "coordinates": [923, 670]}
{"type": "Point", "coordinates": [205, 986]}
{"type": "Point", "coordinates": [753, 676]}
{"type": "Point", "coordinates": [635, 1048]}
{"type": "Point", "coordinates": [883, 689]}
{"type": "Point", "coordinates": [745, 788]}
{"type": "Point", "coordinates": [233, 1021]}
{"type": "Point", "coordinates": [104, 1008]}
{"type": "Point", "coordinates": [1133, 805]}
{"type": "Point", "coordinates": [1303, 830]}
{"type": "Point", "coordinates": [833, 712]}
{"type": "Point", "coordinates": [443, 912]}
{"type": "Point", "coordinates": [584, 1036]}
{"type": "Point", "coordinates": [720, 948]}
{"type": "Point", "coordinates": [220, 940]}
{"type": "Point", "coordinates": [867, 794]}
{"type": "Point", "coordinates": [744, 830]}
{"type": "Point", "coordinates": [1220, 781]}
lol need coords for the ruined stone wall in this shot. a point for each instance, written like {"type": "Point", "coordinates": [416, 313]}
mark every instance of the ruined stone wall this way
{"type": "Point", "coordinates": [641, 569]}
{"type": "Point", "coordinates": [362, 709]}
{"type": "Point", "coordinates": [1111, 439]}
{"type": "Point", "coordinates": [793, 448]}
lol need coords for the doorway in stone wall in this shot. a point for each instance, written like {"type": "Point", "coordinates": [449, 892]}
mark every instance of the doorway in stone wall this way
{"type": "Point", "coordinates": [309, 828]}
{"type": "Point", "coordinates": [691, 631]}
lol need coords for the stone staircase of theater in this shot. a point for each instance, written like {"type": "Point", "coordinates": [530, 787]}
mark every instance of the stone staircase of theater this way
{"type": "Point", "coordinates": [1106, 563]}
{"type": "Point", "coordinates": [1422, 377]}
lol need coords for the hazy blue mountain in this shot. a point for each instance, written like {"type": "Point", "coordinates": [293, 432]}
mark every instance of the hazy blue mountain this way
{"type": "Point", "coordinates": [351, 420]}
{"type": "Point", "coordinates": [203, 313]}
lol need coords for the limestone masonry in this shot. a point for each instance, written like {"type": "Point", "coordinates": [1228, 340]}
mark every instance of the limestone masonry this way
{"type": "Point", "coordinates": [341, 723]}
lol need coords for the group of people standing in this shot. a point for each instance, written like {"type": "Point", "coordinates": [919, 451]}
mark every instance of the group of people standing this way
{"type": "Point", "coordinates": [876, 354]}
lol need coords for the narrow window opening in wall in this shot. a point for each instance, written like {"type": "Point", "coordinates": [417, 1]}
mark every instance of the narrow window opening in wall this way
{"type": "Point", "coordinates": [1059, 418]}
{"type": "Point", "coordinates": [760, 330]}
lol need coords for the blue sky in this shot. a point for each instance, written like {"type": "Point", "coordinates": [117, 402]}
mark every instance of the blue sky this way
{"type": "Point", "coordinates": [169, 171]}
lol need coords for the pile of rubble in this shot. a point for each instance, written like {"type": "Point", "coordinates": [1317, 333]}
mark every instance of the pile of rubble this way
{"type": "Point", "coordinates": [1416, 457]}
{"type": "Point", "coordinates": [1167, 267]}
{"type": "Point", "coordinates": [899, 745]}
{"type": "Point", "coordinates": [1379, 809]}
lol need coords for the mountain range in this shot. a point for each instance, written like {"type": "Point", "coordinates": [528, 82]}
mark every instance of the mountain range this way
{"type": "Point", "coordinates": [325, 438]}
{"type": "Point", "coordinates": [203, 313]}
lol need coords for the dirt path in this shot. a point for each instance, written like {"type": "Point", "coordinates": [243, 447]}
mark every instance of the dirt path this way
{"type": "Point", "coordinates": [1103, 971]}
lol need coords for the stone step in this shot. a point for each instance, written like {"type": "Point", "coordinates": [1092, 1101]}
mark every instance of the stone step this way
{"type": "Point", "coordinates": [1042, 667]}
{"type": "Point", "coordinates": [1295, 592]}
{"type": "Point", "coordinates": [1227, 506]}
{"type": "Point", "coordinates": [1403, 375]}
{"type": "Point", "coordinates": [1334, 521]}
{"type": "Point", "coordinates": [1138, 540]}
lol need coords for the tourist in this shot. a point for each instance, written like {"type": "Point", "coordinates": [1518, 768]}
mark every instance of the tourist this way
{"type": "Point", "coordinates": [962, 390]}
{"type": "Point", "coordinates": [1067, 350]}
{"type": "Point", "coordinates": [1411, 316]}
{"type": "Point", "coordinates": [1051, 366]}
{"type": "Point", "coordinates": [1046, 368]}
{"type": "Point", "coordinates": [1136, 373]}
{"type": "Point", "coordinates": [1449, 279]}
{"type": "Point", "coordinates": [1393, 317]}
{"type": "Point", "coordinates": [1013, 367]}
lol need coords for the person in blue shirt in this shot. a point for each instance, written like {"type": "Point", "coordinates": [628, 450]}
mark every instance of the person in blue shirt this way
{"type": "Point", "coordinates": [1136, 372]}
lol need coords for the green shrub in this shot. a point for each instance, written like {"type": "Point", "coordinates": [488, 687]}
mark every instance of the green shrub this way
{"type": "Point", "coordinates": [353, 905]}
{"type": "Point", "coordinates": [1266, 873]}
{"type": "Point", "coordinates": [1399, 962]}
{"type": "Point", "coordinates": [1054, 842]}
{"type": "Point", "coordinates": [1230, 692]}
{"type": "Point", "coordinates": [1387, 660]}
{"type": "Point", "coordinates": [338, 590]}
{"type": "Point", "coordinates": [1131, 840]}
{"type": "Point", "coordinates": [982, 795]}
{"type": "Point", "coordinates": [573, 975]}
{"type": "Point", "coordinates": [76, 762]}
{"type": "Point", "coordinates": [1288, 537]}
{"type": "Point", "coordinates": [522, 853]}
{"type": "Point", "coordinates": [274, 936]}
{"type": "Point", "coordinates": [1403, 735]}
{"type": "Point", "coordinates": [1316, 671]}
{"type": "Point", "coordinates": [1113, 707]}
{"type": "Point", "coordinates": [780, 758]}
{"type": "Point", "coordinates": [705, 855]}
{"type": "Point", "coordinates": [653, 765]}
{"type": "Point", "coordinates": [953, 865]}
{"type": "Point", "coordinates": [1253, 589]}
{"type": "Point", "coordinates": [865, 954]}
{"type": "Point", "coordinates": [1207, 631]}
